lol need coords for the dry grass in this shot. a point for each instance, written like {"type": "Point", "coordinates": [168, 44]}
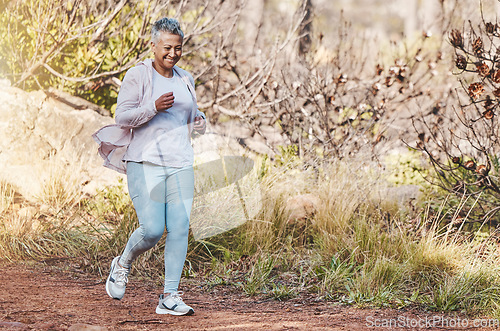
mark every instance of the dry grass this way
{"type": "Point", "coordinates": [351, 250]}
{"type": "Point", "coordinates": [6, 196]}
{"type": "Point", "coordinates": [61, 182]}
{"type": "Point", "coordinates": [355, 247]}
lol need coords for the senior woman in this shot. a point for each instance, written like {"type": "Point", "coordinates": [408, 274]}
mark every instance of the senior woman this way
{"type": "Point", "coordinates": [156, 114]}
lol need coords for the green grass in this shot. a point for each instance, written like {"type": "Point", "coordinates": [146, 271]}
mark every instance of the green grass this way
{"type": "Point", "coordinates": [349, 251]}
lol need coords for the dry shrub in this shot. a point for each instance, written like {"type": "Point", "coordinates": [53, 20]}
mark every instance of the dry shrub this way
{"type": "Point", "coordinates": [462, 140]}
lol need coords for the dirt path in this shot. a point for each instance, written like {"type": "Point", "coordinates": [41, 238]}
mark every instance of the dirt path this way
{"type": "Point", "coordinates": [45, 298]}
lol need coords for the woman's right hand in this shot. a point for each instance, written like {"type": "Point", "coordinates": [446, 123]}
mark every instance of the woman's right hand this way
{"type": "Point", "coordinates": [165, 101]}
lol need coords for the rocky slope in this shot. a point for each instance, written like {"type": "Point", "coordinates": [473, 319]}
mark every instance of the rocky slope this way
{"type": "Point", "coordinates": [42, 138]}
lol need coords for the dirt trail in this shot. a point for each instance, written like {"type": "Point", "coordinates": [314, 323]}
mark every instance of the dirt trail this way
{"type": "Point", "coordinates": [45, 298]}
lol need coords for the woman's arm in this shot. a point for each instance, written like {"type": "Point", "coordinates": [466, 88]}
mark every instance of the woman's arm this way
{"type": "Point", "coordinates": [129, 112]}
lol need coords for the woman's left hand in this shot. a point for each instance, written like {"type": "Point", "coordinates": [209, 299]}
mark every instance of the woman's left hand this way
{"type": "Point", "coordinates": [200, 125]}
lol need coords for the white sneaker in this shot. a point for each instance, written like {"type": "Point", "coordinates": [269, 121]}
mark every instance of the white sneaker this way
{"type": "Point", "coordinates": [117, 280]}
{"type": "Point", "coordinates": [173, 304]}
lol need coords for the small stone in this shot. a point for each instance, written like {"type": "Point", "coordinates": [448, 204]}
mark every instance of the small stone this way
{"type": "Point", "coordinates": [86, 327]}
{"type": "Point", "coordinates": [12, 325]}
{"type": "Point", "coordinates": [302, 207]}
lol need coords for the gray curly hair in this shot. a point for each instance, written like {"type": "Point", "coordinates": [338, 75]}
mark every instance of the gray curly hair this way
{"type": "Point", "coordinates": [165, 24]}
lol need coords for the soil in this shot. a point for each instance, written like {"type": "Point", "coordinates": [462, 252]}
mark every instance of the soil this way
{"type": "Point", "coordinates": [42, 297]}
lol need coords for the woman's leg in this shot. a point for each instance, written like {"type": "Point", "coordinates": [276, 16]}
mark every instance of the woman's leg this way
{"type": "Point", "coordinates": [142, 179]}
{"type": "Point", "coordinates": [179, 195]}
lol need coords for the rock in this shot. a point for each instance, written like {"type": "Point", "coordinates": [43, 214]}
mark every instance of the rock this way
{"type": "Point", "coordinates": [300, 211]}
{"type": "Point", "coordinates": [86, 327]}
{"type": "Point", "coordinates": [272, 135]}
{"type": "Point", "coordinates": [76, 102]}
{"type": "Point", "coordinates": [13, 325]}
{"type": "Point", "coordinates": [234, 129]}
{"type": "Point", "coordinates": [42, 139]}
{"type": "Point", "coordinates": [258, 145]}
{"type": "Point", "coordinates": [302, 207]}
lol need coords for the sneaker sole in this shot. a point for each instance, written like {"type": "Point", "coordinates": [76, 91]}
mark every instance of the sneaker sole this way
{"type": "Point", "coordinates": [163, 311]}
{"type": "Point", "coordinates": [107, 283]}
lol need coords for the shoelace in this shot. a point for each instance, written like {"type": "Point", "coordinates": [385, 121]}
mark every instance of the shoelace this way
{"type": "Point", "coordinates": [121, 276]}
{"type": "Point", "coordinates": [176, 296]}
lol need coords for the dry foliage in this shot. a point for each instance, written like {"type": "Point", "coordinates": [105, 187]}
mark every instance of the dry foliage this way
{"type": "Point", "coordinates": [463, 143]}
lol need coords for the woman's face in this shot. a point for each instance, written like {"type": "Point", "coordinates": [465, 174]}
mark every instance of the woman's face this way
{"type": "Point", "coordinates": [167, 51]}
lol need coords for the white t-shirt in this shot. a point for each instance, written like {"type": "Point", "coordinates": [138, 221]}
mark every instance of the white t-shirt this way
{"type": "Point", "coordinates": [165, 140]}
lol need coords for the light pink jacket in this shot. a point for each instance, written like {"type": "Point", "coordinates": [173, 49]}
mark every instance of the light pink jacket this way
{"type": "Point", "coordinates": [134, 108]}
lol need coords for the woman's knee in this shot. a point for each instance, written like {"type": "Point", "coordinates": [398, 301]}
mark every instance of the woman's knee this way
{"type": "Point", "coordinates": [152, 235]}
{"type": "Point", "coordinates": [179, 229]}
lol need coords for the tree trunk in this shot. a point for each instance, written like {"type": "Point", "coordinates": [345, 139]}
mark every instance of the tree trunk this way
{"type": "Point", "coordinates": [305, 30]}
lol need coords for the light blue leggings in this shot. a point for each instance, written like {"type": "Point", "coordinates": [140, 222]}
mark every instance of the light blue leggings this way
{"type": "Point", "coordinates": [162, 197]}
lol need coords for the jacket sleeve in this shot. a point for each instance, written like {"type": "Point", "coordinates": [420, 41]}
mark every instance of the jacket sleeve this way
{"type": "Point", "coordinates": [129, 111]}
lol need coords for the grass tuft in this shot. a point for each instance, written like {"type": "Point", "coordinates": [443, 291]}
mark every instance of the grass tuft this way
{"type": "Point", "coordinates": [355, 245]}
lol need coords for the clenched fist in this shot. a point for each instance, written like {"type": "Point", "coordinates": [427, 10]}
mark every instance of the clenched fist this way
{"type": "Point", "coordinates": [165, 101]}
{"type": "Point", "coordinates": [199, 125]}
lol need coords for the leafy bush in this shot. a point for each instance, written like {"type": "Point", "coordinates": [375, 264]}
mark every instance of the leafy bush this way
{"type": "Point", "coordinates": [85, 47]}
{"type": "Point", "coordinates": [77, 46]}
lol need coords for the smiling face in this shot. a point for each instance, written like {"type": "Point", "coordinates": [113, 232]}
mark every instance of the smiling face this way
{"type": "Point", "coordinates": [167, 51]}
